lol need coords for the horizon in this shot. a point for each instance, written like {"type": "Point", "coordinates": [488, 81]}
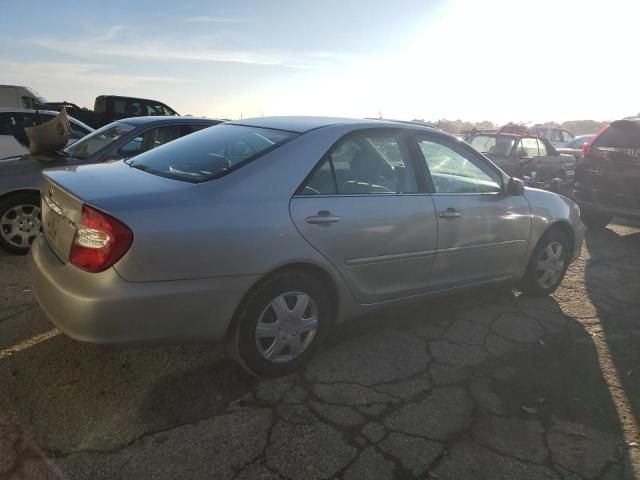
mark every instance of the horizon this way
{"type": "Point", "coordinates": [408, 60]}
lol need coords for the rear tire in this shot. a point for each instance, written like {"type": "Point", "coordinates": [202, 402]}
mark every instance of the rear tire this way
{"type": "Point", "coordinates": [20, 222]}
{"type": "Point", "coordinates": [595, 220]}
{"type": "Point", "coordinates": [278, 328]}
{"type": "Point", "coordinates": [547, 265]}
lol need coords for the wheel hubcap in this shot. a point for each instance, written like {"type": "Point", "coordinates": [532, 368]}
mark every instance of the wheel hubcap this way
{"type": "Point", "coordinates": [551, 264]}
{"type": "Point", "coordinates": [286, 327]}
{"type": "Point", "coordinates": [20, 225]}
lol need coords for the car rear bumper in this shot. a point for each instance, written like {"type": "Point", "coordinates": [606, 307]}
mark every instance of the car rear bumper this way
{"type": "Point", "coordinates": [604, 208]}
{"type": "Point", "coordinates": [105, 309]}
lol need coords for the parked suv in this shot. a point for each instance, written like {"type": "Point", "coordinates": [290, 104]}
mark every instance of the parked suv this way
{"type": "Point", "coordinates": [559, 137]}
{"type": "Point", "coordinates": [608, 175]}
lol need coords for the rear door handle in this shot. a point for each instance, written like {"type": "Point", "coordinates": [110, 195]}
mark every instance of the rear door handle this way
{"type": "Point", "coordinates": [324, 217]}
{"type": "Point", "coordinates": [450, 213]}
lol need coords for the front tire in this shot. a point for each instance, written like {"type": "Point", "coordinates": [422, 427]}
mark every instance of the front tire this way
{"type": "Point", "coordinates": [280, 325]}
{"type": "Point", "coordinates": [20, 222]}
{"type": "Point", "coordinates": [595, 220]}
{"type": "Point", "coordinates": [547, 265]}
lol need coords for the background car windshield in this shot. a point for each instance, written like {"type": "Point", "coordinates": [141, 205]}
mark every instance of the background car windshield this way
{"type": "Point", "coordinates": [98, 140]}
{"type": "Point", "coordinates": [494, 145]}
{"type": "Point", "coordinates": [210, 153]}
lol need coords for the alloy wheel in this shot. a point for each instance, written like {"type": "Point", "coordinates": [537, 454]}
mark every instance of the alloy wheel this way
{"type": "Point", "coordinates": [20, 225]}
{"type": "Point", "coordinates": [551, 264]}
{"type": "Point", "coordinates": [286, 327]}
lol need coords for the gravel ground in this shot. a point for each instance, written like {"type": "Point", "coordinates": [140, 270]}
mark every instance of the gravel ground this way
{"type": "Point", "coordinates": [488, 385]}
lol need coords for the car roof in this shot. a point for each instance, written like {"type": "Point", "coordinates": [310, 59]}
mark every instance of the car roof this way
{"type": "Point", "coordinates": [302, 124]}
{"type": "Point", "coordinates": [167, 119]}
{"type": "Point", "coordinates": [48, 112]}
{"type": "Point", "coordinates": [26, 110]}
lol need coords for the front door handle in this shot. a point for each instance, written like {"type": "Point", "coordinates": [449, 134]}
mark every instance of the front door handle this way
{"type": "Point", "coordinates": [323, 217]}
{"type": "Point", "coordinates": [450, 213]}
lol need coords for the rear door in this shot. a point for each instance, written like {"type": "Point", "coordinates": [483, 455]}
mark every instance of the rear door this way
{"type": "Point", "coordinates": [610, 170]}
{"type": "Point", "coordinates": [365, 209]}
{"type": "Point", "coordinates": [482, 232]}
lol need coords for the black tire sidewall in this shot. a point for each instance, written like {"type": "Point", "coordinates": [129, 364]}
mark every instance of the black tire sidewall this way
{"type": "Point", "coordinates": [530, 281]}
{"type": "Point", "coordinates": [595, 220]}
{"type": "Point", "coordinates": [243, 343]}
{"type": "Point", "coordinates": [10, 202]}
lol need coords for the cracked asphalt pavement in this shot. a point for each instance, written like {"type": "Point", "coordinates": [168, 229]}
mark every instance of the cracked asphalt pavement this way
{"type": "Point", "coordinates": [483, 385]}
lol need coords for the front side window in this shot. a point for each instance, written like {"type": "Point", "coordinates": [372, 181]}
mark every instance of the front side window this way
{"type": "Point", "coordinates": [210, 153]}
{"type": "Point", "coordinates": [98, 140]}
{"type": "Point", "coordinates": [567, 136]}
{"type": "Point", "coordinates": [453, 172]}
{"type": "Point", "coordinates": [29, 102]}
{"type": "Point", "coordinates": [366, 163]}
{"type": "Point", "coordinates": [556, 135]}
{"type": "Point", "coordinates": [530, 147]}
{"type": "Point", "coordinates": [156, 109]}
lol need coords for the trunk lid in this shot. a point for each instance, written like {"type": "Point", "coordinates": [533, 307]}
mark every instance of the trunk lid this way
{"type": "Point", "coordinates": [112, 188]}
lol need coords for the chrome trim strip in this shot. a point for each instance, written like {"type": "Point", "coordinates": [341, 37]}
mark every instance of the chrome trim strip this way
{"type": "Point", "coordinates": [473, 247]}
{"type": "Point", "coordinates": [352, 262]}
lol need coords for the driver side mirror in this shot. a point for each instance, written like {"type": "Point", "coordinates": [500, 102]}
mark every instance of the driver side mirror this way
{"type": "Point", "coordinates": [515, 187]}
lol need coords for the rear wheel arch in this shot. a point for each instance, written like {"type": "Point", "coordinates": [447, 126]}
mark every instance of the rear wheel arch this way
{"type": "Point", "coordinates": [22, 191]}
{"type": "Point", "coordinates": [300, 267]}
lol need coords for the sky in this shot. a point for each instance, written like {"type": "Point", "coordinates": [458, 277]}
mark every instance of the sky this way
{"type": "Point", "coordinates": [498, 60]}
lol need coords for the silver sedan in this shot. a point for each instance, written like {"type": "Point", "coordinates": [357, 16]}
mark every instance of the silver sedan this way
{"type": "Point", "coordinates": [265, 232]}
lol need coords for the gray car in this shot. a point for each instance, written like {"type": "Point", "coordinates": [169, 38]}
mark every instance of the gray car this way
{"type": "Point", "coordinates": [266, 232]}
{"type": "Point", "coordinates": [21, 175]}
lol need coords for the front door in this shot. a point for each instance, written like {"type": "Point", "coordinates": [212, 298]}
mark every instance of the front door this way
{"type": "Point", "coordinates": [364, 210]}
{"type": "Point", "coordinates": [482, 232]}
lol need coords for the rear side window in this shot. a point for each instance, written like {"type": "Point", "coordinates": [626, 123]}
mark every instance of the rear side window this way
{"type": "Point", "coordinates": [210, 153]}
{"type": "Point", "coordinates": [364, 163]}
{"type": "Point", "coordinates": [620, 135]}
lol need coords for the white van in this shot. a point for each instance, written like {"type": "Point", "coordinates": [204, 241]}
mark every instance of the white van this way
{"type": "Point", "coordinates": [14, 96]}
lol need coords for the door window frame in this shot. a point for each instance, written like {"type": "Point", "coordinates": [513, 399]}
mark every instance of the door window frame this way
{"type": "Point", "coordinates": [405, 144]}
{"type": "Point", "coordinates": [461, 149]}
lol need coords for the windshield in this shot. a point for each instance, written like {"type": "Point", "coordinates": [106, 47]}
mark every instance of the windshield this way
{"type": "Point", "coordinates": [210, 153]}
{"type": "Point", "coordinates": [98, 140]}
{"type": "Point", "coordinates": [494, 145]}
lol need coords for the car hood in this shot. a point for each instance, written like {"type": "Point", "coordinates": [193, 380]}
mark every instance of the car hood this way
{"type": "Point", "coordinates": [24, 163]}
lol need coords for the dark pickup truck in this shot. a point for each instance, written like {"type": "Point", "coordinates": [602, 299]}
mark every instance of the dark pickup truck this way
{"type": "Point", "coordinates": [108, 108]}
{"type": "Point", "coordinates": [531, 158]}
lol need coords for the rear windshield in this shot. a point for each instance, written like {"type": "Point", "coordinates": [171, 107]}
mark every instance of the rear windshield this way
{"type": "Point", "coordinates": [620, 135]}
{"type": "Point", "coordinates": [210, 153]}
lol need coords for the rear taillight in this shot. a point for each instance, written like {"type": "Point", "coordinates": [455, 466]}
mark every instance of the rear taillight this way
{"type": "Point", "coordinates": [99, 242]}
{"type": "Point", "coordinates": [588, 147]}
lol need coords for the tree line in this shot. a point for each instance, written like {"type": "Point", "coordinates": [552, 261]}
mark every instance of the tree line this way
{"type": "Point", "coordinates": [459, 127]}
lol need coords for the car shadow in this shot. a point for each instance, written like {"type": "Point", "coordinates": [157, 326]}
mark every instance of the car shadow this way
{"type": "Point", "coordinates": [612, 281]}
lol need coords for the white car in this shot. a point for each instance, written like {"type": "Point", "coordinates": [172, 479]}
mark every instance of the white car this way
{"type": "Point", "coordinates": [13, 139]}
{"type": "Point", "coordinates": [559, 137]}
